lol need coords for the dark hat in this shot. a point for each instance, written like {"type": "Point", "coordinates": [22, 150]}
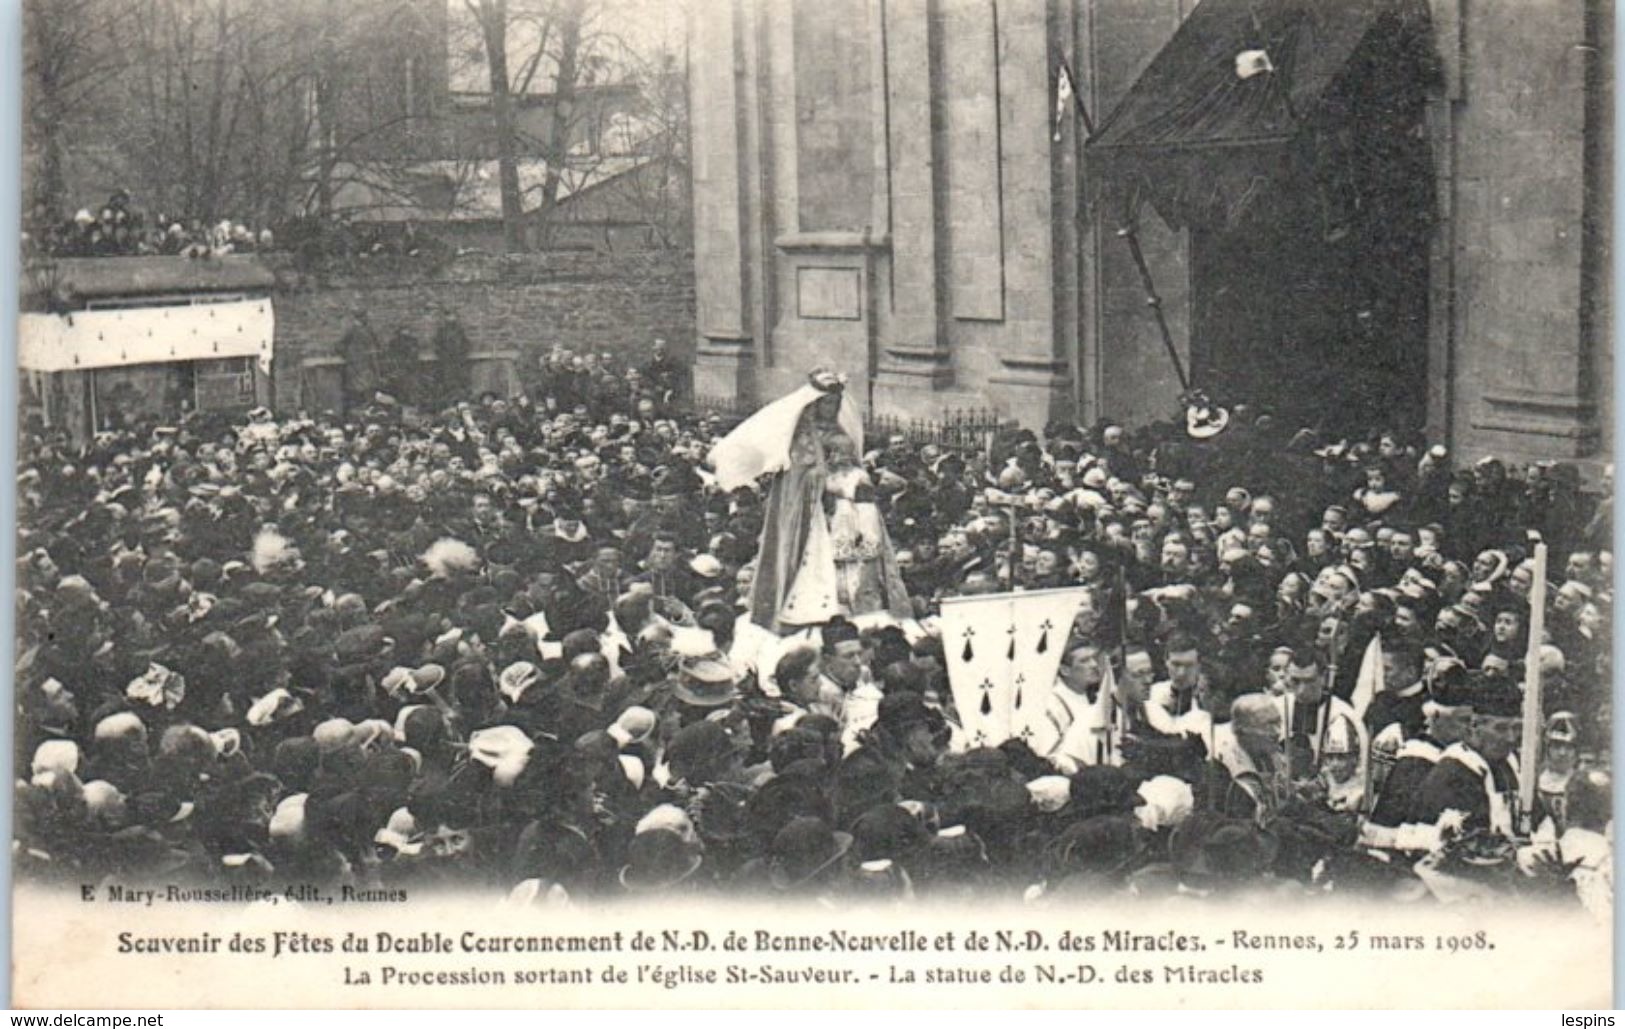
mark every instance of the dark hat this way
{"type": "Point", "coordinates": [424, 729]}
{"type": "Point", "coordinates": [782, 799]}
{"type": "Point", "coordinates": [1450, 685]}
{"type": "Point", "coordinates": [658, 859]}
{"type": "Point", "coordinates": [696, 747]}
{"type": "Point", "coordinates": [862, 780]}
{"type": "Point", "coordinates": [804, 850]}
{"type": "Point", "coordinates": [796, 745]}
{"type": "Point", "coordinates": [1209, 848]}
{"type": "Point", "coordinates": [1023, 761]}
{"type": "Point", "coordinates": [902, 710]}
{"type": "Point", "coordinates": [954, 854]}
{"type": "Point", "coordinates": [385, 775]}
{"type": "Point", "coordinates": [1102, 790]}
{"type": "Point", "coordinates": [1105, 844]}
{"type": "Point", "coordinates": [295, 762]}
{"type": "Point", "coordinates": [982, 761]}
{"type": "Point", "coordinates": [995, 808]}
{"type": "Point", "coordinates": [362, 643]}
{"type": "Point", "coordinates": [669, 484]}
{"type": "Point", "coordinates": [887, 831]}
{"type": "Point", "coordinates": [579, 642]}
{"type": "Point", "coordinates": [1503, 700]}
{"type": "Point", "coordinates": [555, 853]}
{"type": "Point", "coordinates": [261, 594]}
{"type": "Point", "coordinates": [720, 812]}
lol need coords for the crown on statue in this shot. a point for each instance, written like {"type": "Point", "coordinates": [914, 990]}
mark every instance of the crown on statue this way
{"type": "Point", "coordinates": [826, 380]}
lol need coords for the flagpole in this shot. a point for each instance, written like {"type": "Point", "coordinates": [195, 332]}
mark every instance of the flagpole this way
{"type": "Point", "coordinates": [1287, 742]}
{"type": "Point", "coordinates": [1369, 799]}
{"type": "Point", "coordinates": [1014, 506]}
{"type": "Point", "coordinates": [1529, 753]}
{"type": "Point", "coordinates": [1119, 603]}
{"type": "Point", "coordinates": [1335, 657]}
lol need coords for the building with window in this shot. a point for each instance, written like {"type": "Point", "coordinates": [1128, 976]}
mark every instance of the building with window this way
{"type": "Point", "coordinates": [1350, 212]}
{"type": "Point", "coordinates": [127, 340]}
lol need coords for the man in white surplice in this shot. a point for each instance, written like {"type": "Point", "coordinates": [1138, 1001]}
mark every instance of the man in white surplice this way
{"type": "Point", "coordinates": [1075, 729]}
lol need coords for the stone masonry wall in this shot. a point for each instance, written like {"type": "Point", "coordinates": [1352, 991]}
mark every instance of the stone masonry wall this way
{"type": "Point", "coordinates": [617, 303]}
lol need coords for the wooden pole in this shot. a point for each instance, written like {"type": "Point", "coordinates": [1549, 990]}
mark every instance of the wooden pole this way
{"type": "Point", "coordinates": [1154, 301]}
{"type": "Point", "coordinates": [1529, 753]}
{"type": "Point", "coordinates": [1286, 727]}
{"type": "Point", "coordinates": [1013, 508]}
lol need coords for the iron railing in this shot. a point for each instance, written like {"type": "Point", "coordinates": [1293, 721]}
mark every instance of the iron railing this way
{"type": "Point", "coordinates": [963, 429]}
{"type": "Point", "coordinates": [966, 429]}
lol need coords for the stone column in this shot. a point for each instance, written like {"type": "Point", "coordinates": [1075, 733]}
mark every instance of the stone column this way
{"type": "Point", "coordinates": [915, 358]}
{"type": "Point", "coordinates": [1531, 231]}
{"type": "Point", "coordinates": [1034, 383]}
{"type": "Point", "coordinates": [723, 349]}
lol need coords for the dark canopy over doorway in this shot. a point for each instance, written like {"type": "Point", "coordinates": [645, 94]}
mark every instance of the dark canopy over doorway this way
{"type": "Point", "coordinates": [1308, 193]}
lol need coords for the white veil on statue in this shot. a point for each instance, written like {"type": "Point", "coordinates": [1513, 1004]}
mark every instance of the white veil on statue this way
{"type": "Point", "coordinates": [760, 445]}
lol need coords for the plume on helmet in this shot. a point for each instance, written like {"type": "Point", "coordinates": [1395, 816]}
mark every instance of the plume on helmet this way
{"type": "Point", "coordinates": [448, 557]}
{"type": "Point", "coordinates": [271, 550]}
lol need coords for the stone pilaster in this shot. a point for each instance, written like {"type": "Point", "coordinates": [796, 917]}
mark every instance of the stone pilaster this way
{"type": "Point", "coordinates": [1034, 381]}
{"type": "Point", "coordinates": [915, 358]}
{"type": "Point", "coordinates": [724, 345]}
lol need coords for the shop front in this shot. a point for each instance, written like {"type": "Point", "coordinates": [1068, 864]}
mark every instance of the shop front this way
{"type": "Point", "coordinates": [116, 368]}
{"type": "Point", "coordinates": [139, 341]}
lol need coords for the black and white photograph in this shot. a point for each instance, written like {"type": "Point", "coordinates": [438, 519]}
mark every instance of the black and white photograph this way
{"type": "Point", "coordinates": [752, 468]}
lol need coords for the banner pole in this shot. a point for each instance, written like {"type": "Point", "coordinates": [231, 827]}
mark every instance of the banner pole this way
{"type": "Point", "coordinates": [1529, 752]}
{"type": "Point", "coordinates": [1153, 301]}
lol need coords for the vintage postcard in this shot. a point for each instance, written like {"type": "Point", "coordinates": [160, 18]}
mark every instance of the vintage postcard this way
{"type": "Point", "coordinates": [753, 503]}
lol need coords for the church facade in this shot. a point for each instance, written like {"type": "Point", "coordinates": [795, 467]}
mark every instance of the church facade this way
{"type": "Point", "coordinates": [884, 187]}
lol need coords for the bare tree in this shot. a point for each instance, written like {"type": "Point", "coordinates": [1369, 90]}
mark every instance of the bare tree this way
{"type": "Point", "coordinates": [260, 112]}
{"type": "Point", "coordinates": [543, 54]}
{"type": "Point", "coordinates": [492, 18]}
{"type": "Point", "coordinates": [659, 135]}
{"type": "Point", "coordinates": [561, 114]}
{"type": "Point", "coordinates": [213, 112]}
{"type": "Point", "coordinates": [70, 52]}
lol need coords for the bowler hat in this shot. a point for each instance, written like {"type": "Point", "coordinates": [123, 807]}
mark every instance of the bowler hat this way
{"type": "Point", "coordinates": [658, 859]}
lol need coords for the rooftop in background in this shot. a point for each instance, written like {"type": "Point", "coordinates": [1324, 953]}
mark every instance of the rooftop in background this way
{"type": "Point", "coordinates": [100, 278]}
{"type": "Point", "coordinates": [433, 191]}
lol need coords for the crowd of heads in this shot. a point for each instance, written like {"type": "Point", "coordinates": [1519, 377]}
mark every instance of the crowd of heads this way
{"type": "Point", "coordinates": [120, 229]}
{"type": "Point", "coordinates": [599, 386]}
{"type": "Point", "coordinates": [502, 646]}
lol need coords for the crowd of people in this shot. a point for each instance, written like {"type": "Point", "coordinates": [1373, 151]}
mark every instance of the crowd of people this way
{"type": "Point", "coordinates": [120, 229]}
{"type": "Point", "coordinates": [507, 645]}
